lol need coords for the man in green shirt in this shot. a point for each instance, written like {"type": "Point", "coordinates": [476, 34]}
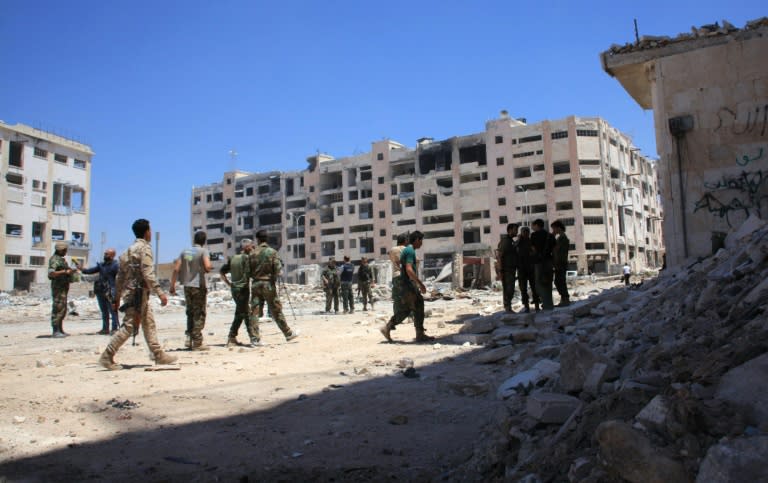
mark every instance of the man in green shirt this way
{"type": "Point", "coordinates": [238, 267]}
{"type": "Point", "coordinates": [411, 290]}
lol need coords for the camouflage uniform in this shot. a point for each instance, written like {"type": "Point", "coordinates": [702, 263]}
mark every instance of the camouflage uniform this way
{"type": "Point", "coordinates": [135, 280]}
{"type": "Point", "coordinates": [265, 266]}
{"type": "Point", "coordinates": [196, 300]}
{"type": "Point", "coordinates": [239, 269]}
{"type": "Point", "coordinates": [332, 282]}
{"type": "Point", "coordinates": [59, 291]}
{"type": "Point", "coordinates": [364, 278]}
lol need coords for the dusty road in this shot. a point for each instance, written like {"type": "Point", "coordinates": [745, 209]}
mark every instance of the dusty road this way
{"type": "Point", "coordinates": [333, 404]}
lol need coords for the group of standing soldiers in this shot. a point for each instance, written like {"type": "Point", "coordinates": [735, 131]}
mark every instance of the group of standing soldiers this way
{"type": "Point", "coordinates": [339, 280]}
{"type": "Point", "coordinates": [536, 260]}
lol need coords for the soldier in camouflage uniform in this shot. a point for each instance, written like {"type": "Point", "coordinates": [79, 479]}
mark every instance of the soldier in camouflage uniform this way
{"type": "Point", "coordinates": [238, 267]}
{"type": "Point", "coordinates": [331, 283]}
{"type": "Point", "coordinates": [364, 283]}
{"type": "Point", "coordinates": [135, 280]}
{"type": "Point", "coordinates": [60, 274]}
{"type": "Point", "coordinates": [265, 268]}
{"type": "Point", "coordinates": [190, 269]}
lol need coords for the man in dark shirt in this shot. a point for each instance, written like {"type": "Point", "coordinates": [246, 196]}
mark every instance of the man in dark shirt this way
{"type": "Point", "coordinates": [525, 274]}
{"type": "Point", "coordinates": [346, 274]}
{"type": "Point", "coordinates": [104, 289]}
{"type": "Point", "coordinates": [507, 268]}
{"type": "Point", "coordinates": [542, 242]}
{"type": "Point", "coordinates": [560, 261]}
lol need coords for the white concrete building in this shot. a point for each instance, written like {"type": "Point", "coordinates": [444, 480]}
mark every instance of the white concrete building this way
{"type": "Point", "coordinates": [45, 198]}
{"type": "Point", "coordinates": [461, 192]}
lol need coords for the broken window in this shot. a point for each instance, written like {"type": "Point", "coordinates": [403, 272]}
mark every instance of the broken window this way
{"type": "Point", "coordinates": [592, 204]}
{"type": "Point", "coordinates": [60, 158]}
{"type": "Point", "coordinates": [500, 161]}
{"type": "Point", "coordinates": [529, 139]}
{"type": "Point", "coordinates": [79, 163]}
{"type": "Point", "coordinates": [561, 167]}
{"type": "Point", "coordinates": [58, 235]}
{"type": "Point", "coordinates": [559, 134]}
{"type": "Point", "coordinates": [473, 154]}
{"type": "Point", "coordinates": [12, 229]}
{"type": "Point", "coordinates": [38, 229]}
{"type": "Point", "coordinates": [41, 153]}
{"type": "Point", "coordinates": [15, 155]}
{"type": "Point", "coordinates": [560, 183]}
{"type": "Point", "coordinates": [564, 205]}
{"type": "Point", "coordinates": [500, 181]}
{"type": "Point", "coordinates": [499, 139]}
{"type": "Point", "coordinates": [14, 179]}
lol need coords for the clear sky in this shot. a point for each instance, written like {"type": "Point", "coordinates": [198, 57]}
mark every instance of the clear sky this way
{"type": "Point", "coordinates": [163, 90]}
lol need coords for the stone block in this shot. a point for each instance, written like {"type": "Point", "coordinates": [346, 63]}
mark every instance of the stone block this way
{"type": "Point", "coordinates": [551, 408]}
{"type": "Point", "coordinates": [744, 387]}
{"type": "Point", "coordinates": [595, 378]}
{"type": "Point", "coordinates": [577, 360]}
{"type": "Point", "coordinates": [630, 454]}
{"type": "Point", "coordinates": [524, 335]}
{"type": "Point", "coordinates": [478, 325]}
{"type": "Point", "coordinates": [544, 369]}
{"type": "Point", "coordinates": [655, 414]}
{"type": "Point", "coordinates": [742, 459]}
{"type": "Point", "coordinates": [475, 339]}
{"type": "Point", "coordinates": [495, 355]}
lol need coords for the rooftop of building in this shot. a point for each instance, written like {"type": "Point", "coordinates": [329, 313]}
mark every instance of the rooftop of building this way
{"type": "Point", "coordinates": [627, 62]}
{"type": "Point", "coordinates": [48, 136]}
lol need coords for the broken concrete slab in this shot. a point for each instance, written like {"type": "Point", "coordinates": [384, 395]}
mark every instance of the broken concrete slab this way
{"type": "Point", "coordinates": [631, 454]}
{"type": "Point", "coordinates": [595, 378]}
{"type": "Point", "coordinates": [742, 459]}
{"type": "Point", "coordinates": [655, 414]}
{"type": "Point", "coordinates": [550, 407]}
{"type": "Point", "coordinates": [576, 361]}
{"type": "Point", "coordinates": [478, 325]}
{"type": "Point", "coordinates": [741, 386]}
{"type": "Point", "coordinates": [544, 369]}
{"type": "Point", "coordinates": [495, 355]}
{"type": "Point", "coordinates": [474, 339]}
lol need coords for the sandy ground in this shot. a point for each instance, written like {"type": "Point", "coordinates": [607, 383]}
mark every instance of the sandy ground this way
{"type": "Point", "coordinates": [331, 405]}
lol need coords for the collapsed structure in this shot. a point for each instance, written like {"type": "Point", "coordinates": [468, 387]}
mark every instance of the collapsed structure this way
{"type": "Point", "coordinates": [709, 93]}
{"type": "Point", "coordinates": [460, 192]}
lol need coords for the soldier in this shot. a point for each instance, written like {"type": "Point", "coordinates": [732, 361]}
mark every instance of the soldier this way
{"type": "Point", "coordinates": [240, 286]}
{"type": "Point", "coordinates": [411, 290]}
{"type": "Point", "coordinates": [331, 283]}
{"type": "Point", "coordinates": [135, 280]}
{"type": "Point", "coordinates": [525, 269]}
{"type": "Point", "coordinates": [542, 242]}
{"type": "Point", "coordinates": [190, 268]}
{"type": "Point", "coordinates": [265, 268]}
{"type": "Point", "coordinates": [346, 274]}
{"type": "Point", "coordinates": [60, 275]}
{"type": "Point", "coordinates": [507, 265]}
{"type": "Point", "coordinates": [364, 283]}
{"type": "Point", "coordinates": [394, 257]}
{"type": "Point", "coordinates": [560, 261]}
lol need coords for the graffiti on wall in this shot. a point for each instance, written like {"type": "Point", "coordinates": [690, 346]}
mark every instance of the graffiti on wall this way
{"type": "Point", "coordinates": [750, 121]}
{"type": "Point", "coordinates": [744, 193]}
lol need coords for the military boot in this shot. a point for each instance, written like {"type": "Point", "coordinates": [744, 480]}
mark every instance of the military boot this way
{"type": "Point", "coordinates": [199, 347]}
{"type": "Point", "coordinates": [165, 358]}
{"type": "Point", "coordinates": [421, 336]}
{"type": "Point", "coordinates": [385, 331]}
{"type": "Point", "coordinates": [107, 360]}
{"type": "Point", "coordinates": [232, 342]}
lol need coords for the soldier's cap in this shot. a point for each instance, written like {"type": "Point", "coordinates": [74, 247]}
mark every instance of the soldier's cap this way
{"type": "Point", "coordinates": [245, 242]}
{"type": "Point", "coordinates": [60, 245]}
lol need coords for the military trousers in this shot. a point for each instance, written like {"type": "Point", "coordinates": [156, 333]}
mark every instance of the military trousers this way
{"type": "Point", "coordinates": [347, 298]}
{"type": "Point", "coordinates": [132, 320]}
{"type": "Point", "coordinates": [266, 291]}
{"type": "Point", "coordinates": [543, 275]}
{"type": "Point", "coordinates": [58, 307]}
{"type": "Point", "coordinates": [409, 301]}
{"type": "Point", "coordinates": [365, 293]}
{"type": "Point", "coordinates": [508, 276]}
{"type": "Point", "coordinates": [241, 296]}
{"type": "Point", "coordinates": [332, 296]}
{"type": "Point", "coordinates": [196, 300]}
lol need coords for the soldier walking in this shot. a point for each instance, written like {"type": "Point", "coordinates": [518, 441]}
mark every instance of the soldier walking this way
{"type": "Point", "coordinates": [265, 267]}
{"type": "Point", "coordinates": [410, 299]}
{"type": "Point", "coordinates": [190, 269]}
{"type": "Point", "coordinates": [364, 283]}
{"type": "Point", "coordinates": [238, 266]}
{"type": "Point", "coordinates": [60, 275]}
{"type": "Point", "coordinates": [135, 280]}
{"type": "Point", "coordinates": [331, 284]}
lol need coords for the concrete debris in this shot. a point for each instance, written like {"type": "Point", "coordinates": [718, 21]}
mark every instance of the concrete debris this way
{"type": "Point", "coordinates": [666, 376]}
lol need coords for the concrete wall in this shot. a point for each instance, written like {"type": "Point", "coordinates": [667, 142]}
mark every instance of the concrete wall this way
{"type": "Point", "coordinates": [724, 158]}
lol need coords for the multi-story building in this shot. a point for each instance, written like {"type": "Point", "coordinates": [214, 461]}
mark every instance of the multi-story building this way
{"type": "Point", "coordinates": [461, 192]}
{"type": "Point", "coordinates": [45, 195]}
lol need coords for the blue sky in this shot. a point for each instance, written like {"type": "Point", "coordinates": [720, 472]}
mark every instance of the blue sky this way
{"type": "Point", "coordinates": [163, 90]}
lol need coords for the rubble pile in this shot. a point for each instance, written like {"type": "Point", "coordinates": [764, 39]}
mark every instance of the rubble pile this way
{"type": "Point", "coordinates": [661, 382]}
{"type": "Point", "coordinates": [710, 30]}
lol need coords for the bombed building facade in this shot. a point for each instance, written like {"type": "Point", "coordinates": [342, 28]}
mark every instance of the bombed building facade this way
{"type": "Point", "coordinates": [709, 93]}
{"type": "Point", "coordinates": [45, 198]}
{"type": "Point", "coordinates": [460, 192]}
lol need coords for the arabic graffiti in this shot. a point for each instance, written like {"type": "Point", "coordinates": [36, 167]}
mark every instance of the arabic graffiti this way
{"type": "Point", "coordinates": [750, 197]}
{"type": "Point", "coordinates": [752, 121]}
{"type": "Point", "coordinates": [745, 160]}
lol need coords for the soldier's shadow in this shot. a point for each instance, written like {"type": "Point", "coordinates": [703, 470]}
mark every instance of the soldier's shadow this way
{"type": "Point", "coordinates": [128, 367]}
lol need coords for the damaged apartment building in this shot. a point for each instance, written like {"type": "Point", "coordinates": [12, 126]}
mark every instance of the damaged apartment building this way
{"type": "Point", "coordinates": [44, 195]}
{"type": "Point", "coordinates": [460, 192]}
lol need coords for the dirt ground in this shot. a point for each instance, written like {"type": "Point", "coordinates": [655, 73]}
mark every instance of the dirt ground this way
{"type": "Point", "coordinates": [333, 405]}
